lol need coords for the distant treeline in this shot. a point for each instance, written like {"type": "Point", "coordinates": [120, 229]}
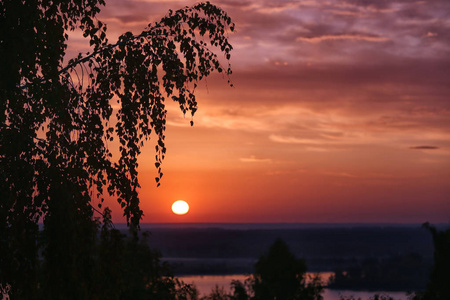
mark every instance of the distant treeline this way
{"type": "Point", "coordinates": [224, 251]}
{"type": "Point", "coordinates": [403, 273]}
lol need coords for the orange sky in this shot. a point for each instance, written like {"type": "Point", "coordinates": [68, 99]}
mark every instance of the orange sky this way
{"type": "Point", "coordinates": [340, 113]}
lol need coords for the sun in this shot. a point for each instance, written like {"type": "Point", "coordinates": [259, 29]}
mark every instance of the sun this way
{"type": "Point", "coordinates": [180, 207]}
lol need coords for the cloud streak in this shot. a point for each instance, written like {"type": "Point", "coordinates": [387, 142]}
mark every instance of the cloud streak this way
{"type": "Point", "coordinates": [424, 148]}
{"type": "Point", "coordinates": [254, 159]}
{"type": "Point", "coordinates": [356, 37]}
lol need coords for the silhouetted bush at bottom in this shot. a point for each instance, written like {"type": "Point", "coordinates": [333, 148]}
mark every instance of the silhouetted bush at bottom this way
{"type": "Point", "coordinates": [438, 287]}
{"type": "Point", "coordinates": [111, 266]}
{"type": "Point", "coordinates": [277, 275]}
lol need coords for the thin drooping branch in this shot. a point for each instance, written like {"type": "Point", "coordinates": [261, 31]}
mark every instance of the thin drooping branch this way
{"type": "Point", "coordinates": [73, 63]}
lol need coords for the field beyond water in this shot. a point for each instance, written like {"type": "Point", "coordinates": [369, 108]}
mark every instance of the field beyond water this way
{"type": "Point", "coordinates": [219, 249]}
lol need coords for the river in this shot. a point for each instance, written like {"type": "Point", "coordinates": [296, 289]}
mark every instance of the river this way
{"type": "Point", "coordinates": [205, 283]}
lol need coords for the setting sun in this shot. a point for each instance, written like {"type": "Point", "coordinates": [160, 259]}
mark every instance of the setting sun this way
{"type": "Point", "coordinates": [180, 207]}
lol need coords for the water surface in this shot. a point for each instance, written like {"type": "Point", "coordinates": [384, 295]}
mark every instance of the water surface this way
{"type": "Point", "coordinates": [205, 283]}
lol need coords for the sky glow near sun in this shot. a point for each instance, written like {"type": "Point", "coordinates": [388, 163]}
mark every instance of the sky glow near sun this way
{"type": "Point", "coordinates": [340, 113]}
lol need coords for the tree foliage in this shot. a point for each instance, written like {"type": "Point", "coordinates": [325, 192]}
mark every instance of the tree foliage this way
{"type": "Point", "coordinates": [438, 287]}
{"type": "Point", "coordinates": [57, 121]}
{"type": "Point", "coordinates": [279, 275]}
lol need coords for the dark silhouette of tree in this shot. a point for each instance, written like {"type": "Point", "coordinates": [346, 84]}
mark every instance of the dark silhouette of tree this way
{"type": "Point", "coordinates": [438, 287]}
{"type": "Point", "coordinates": [279, 275]}
{"type": "Point", "coordinates": [57, 123]}
{"type": "Point", "coordinates": [239, 290]}
{"type": "Point", "coordinates": [217, 293]}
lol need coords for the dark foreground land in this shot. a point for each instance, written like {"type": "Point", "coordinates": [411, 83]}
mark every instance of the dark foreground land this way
{"type": "Point", "coordinates": [217, 250]}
